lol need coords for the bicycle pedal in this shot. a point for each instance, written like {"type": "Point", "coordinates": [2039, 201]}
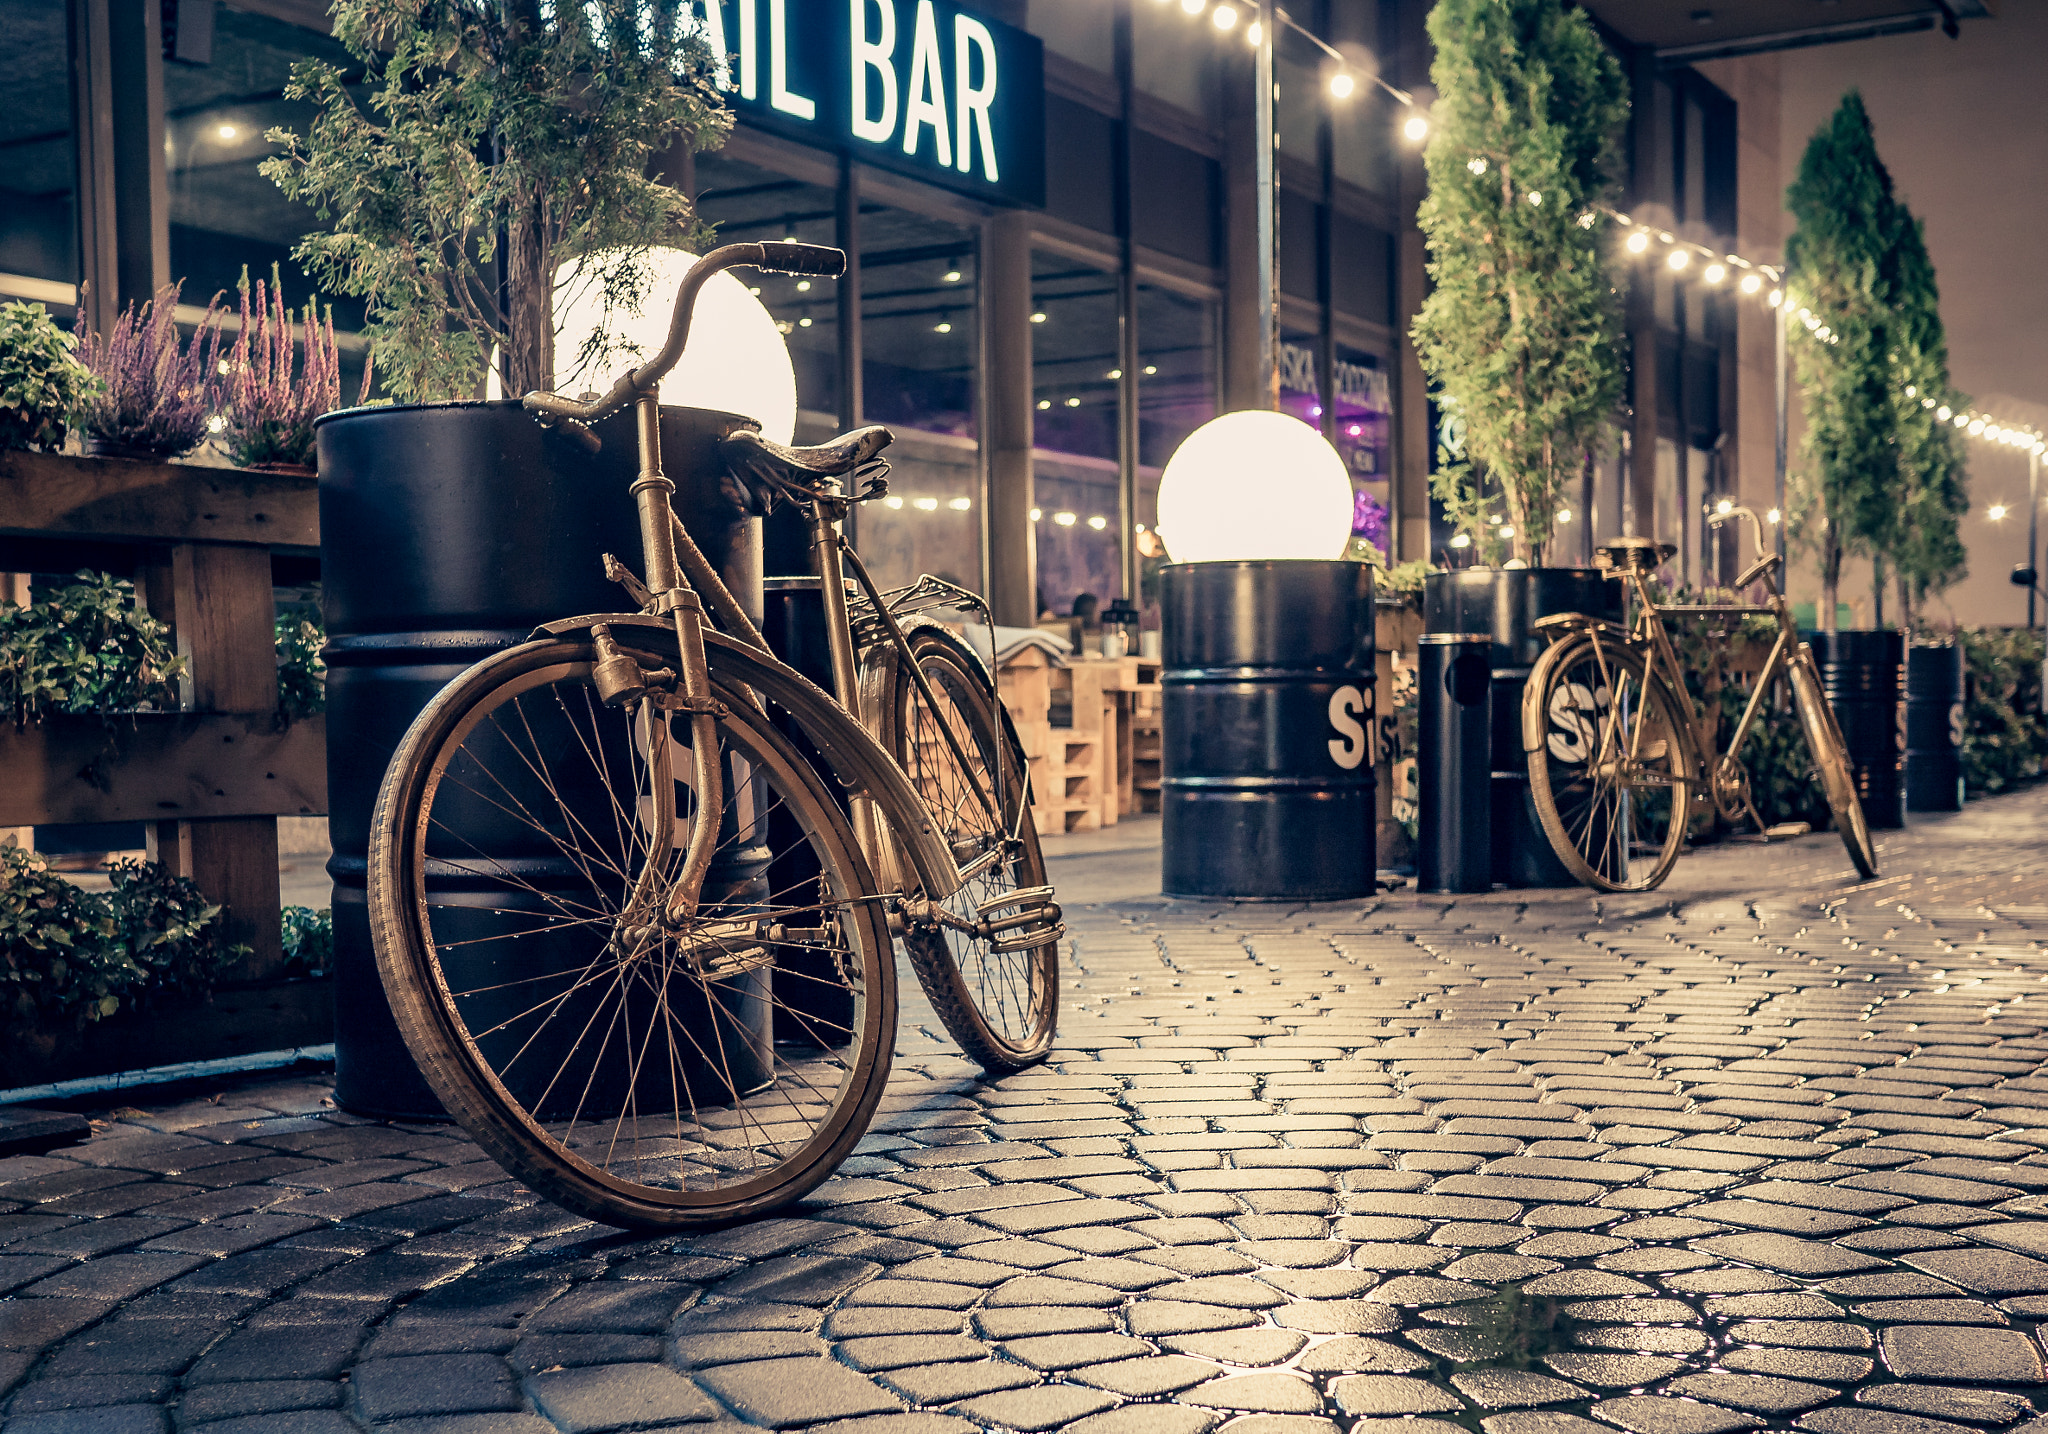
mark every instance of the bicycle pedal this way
{"type": "Point", "coordinates": [1786, 830]}
{"type": "Point", "coordinates": [1036, 895]}
{"type": "Point", "coordinates": [1027, 940]}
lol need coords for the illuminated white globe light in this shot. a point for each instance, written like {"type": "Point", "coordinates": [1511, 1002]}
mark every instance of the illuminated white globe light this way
{"type": "Point", "coordinates": [1254, 485]}
{"type": "Point", "coordinates": [736, 361]}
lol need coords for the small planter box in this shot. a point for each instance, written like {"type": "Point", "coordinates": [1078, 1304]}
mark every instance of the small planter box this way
{"type": "Point", "coordinates": [233, 1021]}
{"type": "Point", "coordinates": [161, 766]}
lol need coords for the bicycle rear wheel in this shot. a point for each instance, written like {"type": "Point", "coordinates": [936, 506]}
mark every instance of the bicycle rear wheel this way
{"type": "Point", "coordinates": [1609, 769]}
{"type": "Point", "coordinates": [1831, 756]}
{"type": "Point", "coordinates": [998, 996]}
{"type": "Point", "coordinates": [640, 1070]}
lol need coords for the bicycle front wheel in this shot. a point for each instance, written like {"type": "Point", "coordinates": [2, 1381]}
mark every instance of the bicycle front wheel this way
{"type": "Point", "coordinates": [998, 996]}
{"type": "Point", "coordinates": [638, 1067]}
{"type": "Point", "coordinates": [1610, 773]}
{"type": "Point", "coordinates": [1831, 756]}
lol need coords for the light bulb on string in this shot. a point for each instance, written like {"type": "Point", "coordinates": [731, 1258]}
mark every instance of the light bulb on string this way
{"type": "Point", "coordinates": [1461, 540]}
{"type": "Point", "coordinates": [1996, 512]}
{"type": "Point", "coordinates": [1224, 17]}
{"type": "Point", "coordinates": [1638, 242]}
{"type": "Point", "coordinates": [1774, 517]}
{"type": "Point", "coordinates": [1193, 7]}
{"type": "Point", "coordinates": [1677, 259]}
{"type": "Point", "coordinates": [1255, 34]}
{"type": "Point", "coordinates": [1476, 165]}
{"type": "Point", "coordinates": [1415, 129]}
{"type": "Point", "coordinates": [1942, 413]}
{"type": "Point", "coordinates": [1715, 273]}
{"type": "Point", "coordinates": [1342, 86]}
{"type": "Point", "coordinates": [1776, 299]}
{"type": "Point", "coordinates": [1564, 515]}
{"type": "Point", "coordinates": [1751, 283]}
{"type": "Point", "coordinates": [1725, 507]}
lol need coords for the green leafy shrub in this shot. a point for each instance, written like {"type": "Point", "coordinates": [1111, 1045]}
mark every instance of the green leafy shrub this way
{"type": "Point", "coordinates": [69, 957]}
{"type": "Point", "coordinates": [86, 648]}
{"type": "Point", "coordinates": [42, 386]}
{"type": "Point", "coordinates": [308, 941]}
{"type": "Point", "coordinates": [301, 675]}
{"type": "Point", "coordinates": [2005, 740]}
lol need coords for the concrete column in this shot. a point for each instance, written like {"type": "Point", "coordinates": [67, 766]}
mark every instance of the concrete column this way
{"type": "Point", "coordinates": [1642, 307]}
{"type": "Point", "coordinates": [1008, 537]}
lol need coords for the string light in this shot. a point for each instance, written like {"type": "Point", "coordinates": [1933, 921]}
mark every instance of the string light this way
{"type": "Point", "coordinates": [1996, 512]}
{"type": "Point", "coordinates": [1224, 17]}
{"type": "Point", "coordinates": [1342, 85]}
{"type": "Point", "coordinates": [1416, 129]}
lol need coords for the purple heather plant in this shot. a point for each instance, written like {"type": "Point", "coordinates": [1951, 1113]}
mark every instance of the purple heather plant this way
{"type": "Point", "coordinates": [268, 416]}
{"type": "Point", "coordinates": [156, 395]}
{"type": "Point", "coordinates": [1369, 519]}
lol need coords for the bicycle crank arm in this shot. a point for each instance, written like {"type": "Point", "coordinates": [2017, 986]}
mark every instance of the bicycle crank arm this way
{"type": "Point", "coordinates": [986, 928]}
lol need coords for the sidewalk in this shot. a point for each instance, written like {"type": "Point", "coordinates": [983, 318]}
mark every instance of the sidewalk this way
{"type": "Point", "coordinates": [1764, 1149]}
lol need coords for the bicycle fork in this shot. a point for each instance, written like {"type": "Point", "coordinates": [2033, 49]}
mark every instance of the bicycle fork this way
{"type": "Point", "coordinates": [621, 682]}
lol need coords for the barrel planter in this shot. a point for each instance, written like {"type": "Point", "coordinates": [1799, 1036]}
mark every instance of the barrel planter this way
{"type": "Point", "coordinates": [1266, 717]}
{"type": "Point", "coordinates": [1934, 727]}
{"type": "Point", "coordinates": [1863, 672]}
{"type": "Point", "coordinates": [1505, 604]}
{"type": "Point", "coordinates": [449, 532]}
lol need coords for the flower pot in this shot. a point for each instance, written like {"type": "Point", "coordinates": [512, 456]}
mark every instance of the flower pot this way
{"type": "Point", "coordinates": [1863, 672]}
{"type": "Point", "coordinates": [448, 532]}
{"type": "Point", "coordinates": [1505, 604]}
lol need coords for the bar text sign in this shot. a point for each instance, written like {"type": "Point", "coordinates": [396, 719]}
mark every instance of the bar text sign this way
{"type": "Point", "coordinates": [920, 86]}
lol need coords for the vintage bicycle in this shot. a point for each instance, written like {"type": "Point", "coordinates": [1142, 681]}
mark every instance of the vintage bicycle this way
{"type": "Point", "coordinates": [635, 883]}
{"type": "Point", "coordinates": [1618, 752]}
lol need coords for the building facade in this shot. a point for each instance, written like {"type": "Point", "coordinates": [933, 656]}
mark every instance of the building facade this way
{"type": "Point", "coordinates": [1053, 215]}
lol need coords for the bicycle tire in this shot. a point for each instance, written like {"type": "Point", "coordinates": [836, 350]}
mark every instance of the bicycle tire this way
{"type": "Point", "coordinates": [1831, 758]}
{"type": "Point", "coordinates": [1591, 820]}
{"type": "Point", "coordinates": [517, 817]}
{"type": "Point", "coordinates": [1001, 1006]}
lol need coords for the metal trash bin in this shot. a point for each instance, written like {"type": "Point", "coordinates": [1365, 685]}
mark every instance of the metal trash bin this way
{"type": "Point", "coordinates": [1266, 730]}
{"type": "Point", "coordinates": [1934, 728]}
{"type": "Point", "coordinates": [1863, 674]}
{"type": "Point", "coordinates": [1454, 768]}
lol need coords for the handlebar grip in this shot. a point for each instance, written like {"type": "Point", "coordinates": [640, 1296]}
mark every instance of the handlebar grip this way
{"type": "Point", "coordinates": [819, 259]}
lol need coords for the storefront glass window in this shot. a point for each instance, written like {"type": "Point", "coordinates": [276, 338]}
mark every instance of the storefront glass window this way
{"type": "Point", "coordinates": [918, 329]}
{"type": "Point", "coordinates": [1301, 386]}
{"type": "Point", "coordinates": [38, 159]}
{"type": "Point", "coordinates": [1364, 414]}
{"type": "Point", "coordinates": [749, 204]}
{"type": "Point", "coordinates": [1073, 356]}
{"type": "Point", "coordinates": [224, 214]}
{"type": "Point", "coordinates": [1177, 389]}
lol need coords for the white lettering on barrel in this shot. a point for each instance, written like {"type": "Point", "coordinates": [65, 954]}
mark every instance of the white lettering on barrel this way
{"type": "Point", "coordinates": [924, 99]}
{"type": "Point", "coordinates": [970, 37]}
{"type": "Point", "coordinates": [876, 55]}
{"type": "Point", "coordinates": [1347, 748]}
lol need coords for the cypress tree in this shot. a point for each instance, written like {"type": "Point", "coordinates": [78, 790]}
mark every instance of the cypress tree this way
{"type": "Point", "coordinates": [1925, 543]}
{"type": "Point", "coordinates": [1522, 330]}
{"type": "Point", "coordinates": [1840, 289]}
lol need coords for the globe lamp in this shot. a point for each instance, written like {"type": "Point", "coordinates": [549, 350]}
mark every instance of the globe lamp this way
{"type": "Point", "coordinates": [736, 360]}
{"type": "Point", "coordinates": [1254, 485]}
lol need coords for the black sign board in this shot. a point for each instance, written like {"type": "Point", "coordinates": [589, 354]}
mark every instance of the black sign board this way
{"type": "Point", "coordinates": [920, 86]}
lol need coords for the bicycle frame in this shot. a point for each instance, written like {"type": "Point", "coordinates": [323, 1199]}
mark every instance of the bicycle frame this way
{"type": "Point", "coordinates": [678, 581]}
{"type": "Point", "coordinates": [1645, 631]}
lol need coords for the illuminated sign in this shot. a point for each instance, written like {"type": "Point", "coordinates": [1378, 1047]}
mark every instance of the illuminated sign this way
{"type": "Point", "coordinates": [920, 86]}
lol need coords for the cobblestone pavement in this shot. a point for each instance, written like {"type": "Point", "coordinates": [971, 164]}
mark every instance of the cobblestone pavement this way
{"type": "Point", "coordinates": [1768, 1149]}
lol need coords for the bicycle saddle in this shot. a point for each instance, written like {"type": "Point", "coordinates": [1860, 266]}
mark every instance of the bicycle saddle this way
{"type": "Point", "coordinates": [805, 466]}
{"type": "Point", "coordinates": [1633, 554]}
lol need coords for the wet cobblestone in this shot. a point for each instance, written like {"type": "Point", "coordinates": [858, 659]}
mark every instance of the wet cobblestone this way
{"type": "Point", "coordinates": [1768, 1149]}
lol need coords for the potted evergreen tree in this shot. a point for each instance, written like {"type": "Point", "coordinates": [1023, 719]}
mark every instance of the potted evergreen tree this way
{"type": "Point", "coordinates": [1861, 302]}
{"type": "Point", "coordinates": [477, 151]}
{"type": "Point", "coordinates": [1521, 335]}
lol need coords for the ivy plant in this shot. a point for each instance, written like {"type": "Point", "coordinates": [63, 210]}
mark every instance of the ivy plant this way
{"type": "Point", "coordinates": [1521, 331]}
{"type": "Point", "coordinates": [70, 957]}
{"type": "Point", "coordinates": [88, 647]}
{"type": "Point", "coordinates": [42, 385]}
{"type": "Point", "coordinates": [301, 675]}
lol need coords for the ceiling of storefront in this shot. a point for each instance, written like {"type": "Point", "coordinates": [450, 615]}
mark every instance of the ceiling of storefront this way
{"type": "Point", "coordinates": [1707, 29]}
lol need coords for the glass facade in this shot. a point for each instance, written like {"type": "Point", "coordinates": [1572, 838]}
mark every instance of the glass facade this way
{"type": "Point", "coordinates": [38, 152]}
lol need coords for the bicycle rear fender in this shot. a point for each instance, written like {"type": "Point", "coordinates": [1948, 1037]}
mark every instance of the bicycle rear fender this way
{"type": "Point", "coordinates": [1560, 628]}
{"type": "Point", "coordinates": [856, 757]}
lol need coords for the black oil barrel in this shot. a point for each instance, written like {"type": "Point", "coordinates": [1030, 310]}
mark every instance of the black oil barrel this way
{"type": "Point", "coordinates": [1863, 672]}
{"type": "Point", "coordinates": [1934, 728]}
{"type": "Point", "coordinates": [1266, 720]}
{"type": "Point", "coordinates": [449, 532]}
{"type": "Point", "coordinates": [1505, 604]}
{"type": "Point", "coordinates": [1454, 813]}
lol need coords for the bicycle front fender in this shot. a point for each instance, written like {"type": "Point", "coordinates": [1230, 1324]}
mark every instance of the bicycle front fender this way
{"type": "Point", "coordinates": [856, 758]}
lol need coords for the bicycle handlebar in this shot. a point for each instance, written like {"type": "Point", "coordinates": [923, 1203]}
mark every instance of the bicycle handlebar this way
{"type": "Point", "coordinates": [1764, 556]}
{"type": "Point", "coordinates": [775, 257]}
